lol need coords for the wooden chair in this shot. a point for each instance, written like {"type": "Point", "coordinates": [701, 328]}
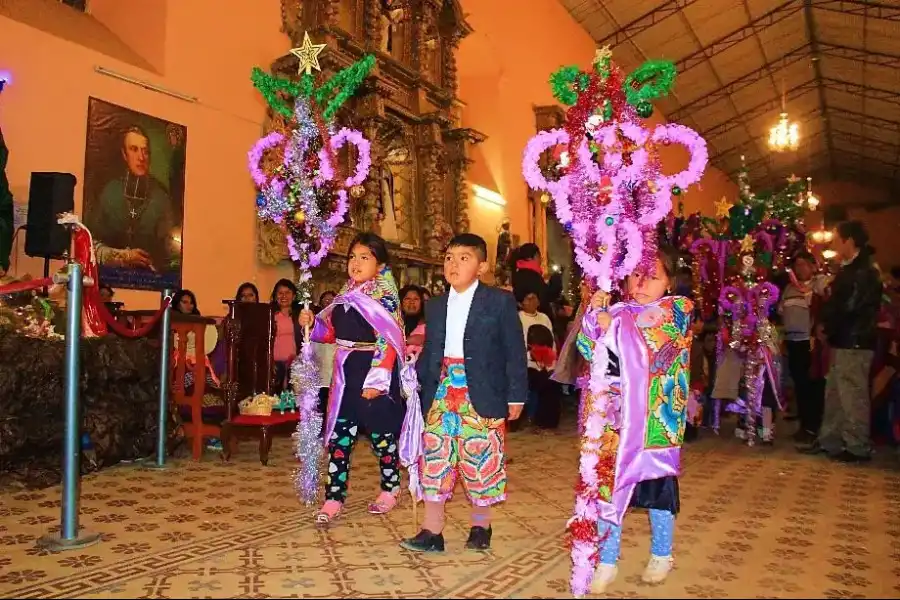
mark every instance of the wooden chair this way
{"type": "Point", "coordinates": [192, 400]}
{"type": "Point", "coordinates": [250, 335]}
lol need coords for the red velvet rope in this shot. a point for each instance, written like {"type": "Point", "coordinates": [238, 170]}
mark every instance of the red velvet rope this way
{"type": "Point", "coordinates": [125, 331]}
{"type": "Point", "coordinates": [24, 286]}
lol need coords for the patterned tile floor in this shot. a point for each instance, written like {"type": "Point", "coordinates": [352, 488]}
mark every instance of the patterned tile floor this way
{"type": "Point", "coordinates": [760, 522]}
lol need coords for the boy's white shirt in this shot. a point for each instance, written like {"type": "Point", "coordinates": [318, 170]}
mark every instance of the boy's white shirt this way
{"type": "Point", "coordinates": [458, 307]}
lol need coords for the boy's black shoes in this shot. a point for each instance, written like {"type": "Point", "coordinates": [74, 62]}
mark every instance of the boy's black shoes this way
{"type": "Point", "coordinates": [425, 541]}
{"type": "Point", "coordinates": [479, 539]}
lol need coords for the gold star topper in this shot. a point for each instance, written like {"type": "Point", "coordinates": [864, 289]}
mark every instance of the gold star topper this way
{"type": "Point", "coordinates": [793, 179]}
{"type": "Point", "coordinates": [602, 54]}
{"type": "Point", "coordinates": [308, 55]}
{"type": "Point", "coordinates": [747, 243]}
{"type": "Point", "coordinates": [723, 208]}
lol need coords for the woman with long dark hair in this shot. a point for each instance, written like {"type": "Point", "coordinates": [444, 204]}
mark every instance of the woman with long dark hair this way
{"type": "Point", "coordinates": [288, 333]}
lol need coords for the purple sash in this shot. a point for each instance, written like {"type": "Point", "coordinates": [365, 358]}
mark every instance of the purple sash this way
{"type": "Point", "coordinates": [634, 462]}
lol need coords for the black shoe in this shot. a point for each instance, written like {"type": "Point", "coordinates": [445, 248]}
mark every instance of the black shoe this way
{"type": "Point", "coordinates": [849, 457]}
{"type": "Point", "coordinates": [810, 448]}
{"type": "Point", "coordinates": [479, 539]}
{"type": "Point", "coordinates": [804, 437]}
{"type": "Point", "coordinates": [425, 541]}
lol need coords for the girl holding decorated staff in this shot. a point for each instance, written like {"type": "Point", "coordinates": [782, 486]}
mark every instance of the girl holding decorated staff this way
{"type": "Point", "coordinates": [633, 422]}
{"type": "Point", "coordinates": [365, 324]}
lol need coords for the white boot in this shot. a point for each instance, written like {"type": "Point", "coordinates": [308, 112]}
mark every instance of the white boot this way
{"type": "Point", "coordinates": [603, 576]}
{"type": "Point", "coordinates": [658, 568]}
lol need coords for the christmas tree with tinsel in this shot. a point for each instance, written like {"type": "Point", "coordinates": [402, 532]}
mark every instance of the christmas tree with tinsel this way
{"type": "Point", "coordinates": [6, 202]}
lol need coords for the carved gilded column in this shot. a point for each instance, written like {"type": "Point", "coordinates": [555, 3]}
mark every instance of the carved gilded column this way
{"type": "Point", "coordinates": [459, 143]}
{"type": "Point", "coordinates": [437, 231]}
{"type": "Point", "coordinates": [371, 220]}
{"type": "Point", "coordinates": [330, 10]}
{"type": "Point", "coordinates": [372, 24]}
{"type": "Point", "coordinates": [291, 16]}
{"type": "Point", "coordinates": [448, 63]}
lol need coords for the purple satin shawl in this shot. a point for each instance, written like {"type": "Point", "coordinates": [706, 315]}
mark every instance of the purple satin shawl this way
{"type": "Point", "coordinates": [634, 462]}
{"type": "Point", "coordinates": [380, 320]}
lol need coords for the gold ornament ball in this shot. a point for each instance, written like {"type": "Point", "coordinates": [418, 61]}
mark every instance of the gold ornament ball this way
{"type": "Point", "coordinates": [300, 216]}
{"type": "Point", "coordinates": [357, 191]}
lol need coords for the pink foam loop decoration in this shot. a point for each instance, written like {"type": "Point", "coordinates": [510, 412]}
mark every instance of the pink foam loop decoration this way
{"type": "Point", "coordinates": [731, 299]}
{"type": "Point", "coordinates": [613, 160]}
{"type": "Point", "coordinates": [699, 156]}
{"type": "Point", "coordinates": [254, 157]}
{"type": "Point", "coordinates": [531, 168]}
{"type": "Point", "coordinates": [363, 162]}
{"type": "Point", "coordinates": [622, 240]}
{"type": "Point", "coordinates": [763, 297]}
{"type": "Point", "coordinates": [696, 146]}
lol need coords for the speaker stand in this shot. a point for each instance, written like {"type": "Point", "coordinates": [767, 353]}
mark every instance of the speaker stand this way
{"type": "Point", "coordinates": [45, 292]}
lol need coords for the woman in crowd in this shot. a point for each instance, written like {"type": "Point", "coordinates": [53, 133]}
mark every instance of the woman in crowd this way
{"type": "Point", "coordinates": [288, 333]}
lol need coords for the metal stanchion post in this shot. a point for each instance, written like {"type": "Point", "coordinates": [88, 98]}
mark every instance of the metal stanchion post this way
{"type": "Point", "coordinates": [69, 536]}
{"type": "Point", "coordinates": [165, 365]}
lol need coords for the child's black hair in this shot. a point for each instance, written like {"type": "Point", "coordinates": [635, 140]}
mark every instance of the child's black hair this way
{"type": "Point", "coordinates": [668, 256]}
{"type": "Point", "coordinates": [376, 245]}
{"type": "Point", "coordinates": [470, 240]}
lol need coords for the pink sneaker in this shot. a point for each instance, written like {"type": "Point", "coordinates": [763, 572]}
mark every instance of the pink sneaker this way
{"type": "Point", "coordinates": [384, 503]}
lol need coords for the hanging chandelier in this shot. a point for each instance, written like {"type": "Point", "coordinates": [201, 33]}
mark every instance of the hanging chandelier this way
{"type": "Point", "coordinates": [811, 200]}
{"type": "Point", "coordinates": [784, 136]}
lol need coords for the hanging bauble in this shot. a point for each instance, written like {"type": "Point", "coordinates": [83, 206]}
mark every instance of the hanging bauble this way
{"type": "Point", "coordinates": [676, 191]}
{"type": "Point", "coordinates": [644, 110]}
{"type": "Point", "coordinates": [300, 216]}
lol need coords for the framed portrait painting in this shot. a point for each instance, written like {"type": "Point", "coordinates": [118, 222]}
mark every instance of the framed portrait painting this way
{"type": "Point", "coordinates": [134, 170]}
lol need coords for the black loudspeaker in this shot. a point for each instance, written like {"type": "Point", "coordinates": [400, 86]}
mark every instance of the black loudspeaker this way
{"type": "Point", "coordinates": [50, 194]}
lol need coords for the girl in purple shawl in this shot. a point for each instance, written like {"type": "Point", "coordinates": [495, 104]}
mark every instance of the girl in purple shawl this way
{"type": "Point", "coordinates": [632, 423]}
{"type": "Point", "coordinates": [365, 324]}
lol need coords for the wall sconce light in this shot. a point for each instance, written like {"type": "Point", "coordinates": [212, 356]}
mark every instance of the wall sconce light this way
{"type": "Point", "coordinates": [821, 236]}
{"type": "Point", "coordinates": [489, 196]}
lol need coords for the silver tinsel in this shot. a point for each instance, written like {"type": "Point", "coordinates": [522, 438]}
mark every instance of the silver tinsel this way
{"type": "Point", "coordinates": [307, 443]}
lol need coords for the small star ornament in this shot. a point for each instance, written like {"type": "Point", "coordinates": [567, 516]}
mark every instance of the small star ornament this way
{"type": "Point", "coordinates": [723, 208]}
{"type": "Point", "coordinates": [602, 54]}
{"type": "Point", "coordinates": [308, 55]}
{"type": "Point", "coordinates": [747, 244]}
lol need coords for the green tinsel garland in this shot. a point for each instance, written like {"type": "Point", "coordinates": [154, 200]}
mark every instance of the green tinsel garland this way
{"type": "Point", "coordinates": [650, 81]}
{"type": "Point", "coordinates": [346, 81]}
{"type": "Point", "coordinates": [269, 86]}
{"type": "Point", "coordinates": [563, 81]}
{"type": "Point", "coordinates": [332, 94]}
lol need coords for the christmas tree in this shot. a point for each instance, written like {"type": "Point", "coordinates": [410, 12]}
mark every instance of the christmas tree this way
{"type": "Point", "coordinates": [6, 203]}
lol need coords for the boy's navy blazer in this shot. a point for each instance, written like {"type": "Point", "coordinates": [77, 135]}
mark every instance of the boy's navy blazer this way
{"type": "Point", "coordinates": [494, 348]}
